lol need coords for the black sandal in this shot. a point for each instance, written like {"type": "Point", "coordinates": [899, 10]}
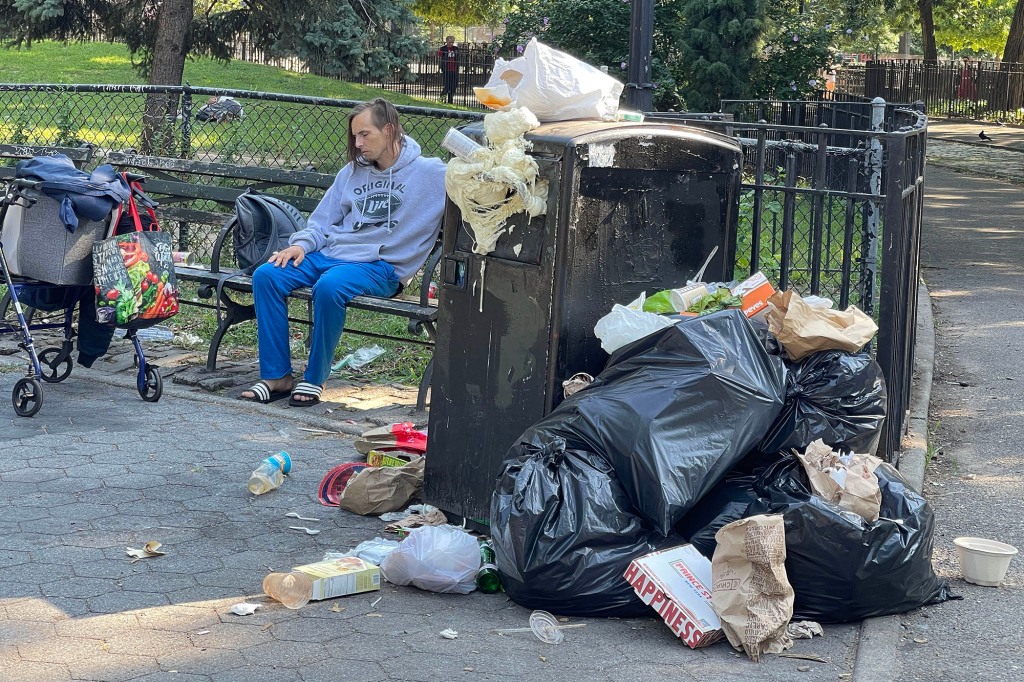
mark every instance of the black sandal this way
{"type": "Point", "coordinates": [263, 394]}
{"type": "Point", "coordinates": [311, 393]}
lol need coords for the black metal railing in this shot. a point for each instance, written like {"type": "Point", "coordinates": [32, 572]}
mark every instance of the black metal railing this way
{"type": "Point", "coordinates": [831, 192]}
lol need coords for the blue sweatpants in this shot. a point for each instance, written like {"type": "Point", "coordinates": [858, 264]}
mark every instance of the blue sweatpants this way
{"type": "Point", "coordinates": [335, 283]}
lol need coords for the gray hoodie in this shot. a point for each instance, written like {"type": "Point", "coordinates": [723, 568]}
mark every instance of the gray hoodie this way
{"type": "Point", "coordinates": [369, 214]}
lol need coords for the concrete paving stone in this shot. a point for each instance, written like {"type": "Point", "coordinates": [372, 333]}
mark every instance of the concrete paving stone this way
{"type": "Point", "coordinates": [71, 486]}
{"type": "Point", "coordinates": [107, 471]}
{"type": "Point", "coordinates": [61, 650]}
{"type": "Point", "coordinates": [20, 541]}
{"type": "Point", "coordinates": [189, 557]}
{"type": "Point", "coordinates": [176, 490]}
{"type": "Point", "coordinates": [135, 481]}
{"type": "Point", "coordinates": [292, 654]}
{"type": "Point", "coordinates": [42, 570]}
{"type": "Point", "coordinates": [262, 558]}
{"type": "Point", "coordinates": [31, 475]}
{"type": "Point", "coordinates": [151, 508]}
{"type": "Point", "coordinates": [44, 499]}
{"type": "Point", "coordinates": [185, 618]}
{"type": "Point", "coordinates": [57, 526]}
{"type": "Point", "coordinates": [23, 632]}
{"type": "Point", "coordinates": [246, 579]}
{"type": "Point", "coordinates": [53, 461]}
{"type": "Point", "coordinates": [204, 593]}
{"type": "Point", "coordinates": [215, 502]}
{"type": "Point", "coordinates": [10, 557]}
{"type": "Point", "coordinates": [111, 667]}
{"type": "Point", "coordinates": [192, 519]}
{"type": "Point", "coordinates": [132, 528]}
{"type": "Point", "coordinates": [105, 495]}
{"type": "Point", "coordinates": [37, 672]}
{"type": "Point", "coordinates": [289, 629]}
{"type": "Point", "coordinates": [427, 669]}
{"type": "Point", "coordinates": [97, 626]}
{"type": "Point", "coordinates": [246, 632]}
{"type": "Point", "coordinates": [83, 588]}
{"type": "Point", "coordinates": [34, 609]}
{"type": "Point", "coordinates": [172, 676]}
{"type": "Point", "coordinates": [158, 582]}
{"type": "Point", "coordinates": [333, 671]}
{"type": "Point", "coordinates": [17, 490]}
{"type": "Point", "coordinates": [267, 672]}
{"type": "Point", "coordinates": [148, 643]}
{"type": "Point", "coordinates": [118, 600]}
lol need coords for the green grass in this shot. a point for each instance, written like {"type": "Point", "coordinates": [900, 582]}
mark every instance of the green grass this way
{"type": "Point", "coordinates": [110, 64]}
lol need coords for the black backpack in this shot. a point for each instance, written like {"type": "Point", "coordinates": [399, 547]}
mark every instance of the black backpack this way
{"type": "Point", "coordinates": [261, 225]}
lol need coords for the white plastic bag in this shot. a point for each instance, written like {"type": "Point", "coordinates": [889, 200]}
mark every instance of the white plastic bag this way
{"type": "Point", "coordinates": [553, 85]}
{"type": "Point", "coordinates": [435, 558]}
{"type": "Point", "coordinates": [627, 323]}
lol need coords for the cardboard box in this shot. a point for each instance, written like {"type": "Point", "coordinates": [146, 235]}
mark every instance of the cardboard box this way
{"type": "Point", "coordinates": [755, 292]}
{"type": "Point", "coordinates": [677, 584]}
{"type": "Point", "coordinates": [340, 577]}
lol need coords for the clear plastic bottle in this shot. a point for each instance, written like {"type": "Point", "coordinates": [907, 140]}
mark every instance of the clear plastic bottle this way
{"type": "Point", "coordinates": [487, 578]}
{"type": "Point", "coordinates": [292, 589]}
{"type": "Point", "coordinates": [270, 473]}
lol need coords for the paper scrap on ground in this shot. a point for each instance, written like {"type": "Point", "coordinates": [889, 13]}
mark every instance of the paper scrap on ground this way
{"type": "Point", "coordinates": [244, 609]}
{"type": "Point", "coordinates": [804, 629]}
{"type": "Point", "coordinates": [151, 549]}
{"type": "Point", "coordinates": [846, 480]}
{"type": "Point", "coordinates": [750, 590]}
{"type": "Point", "coordinates": [448, 633]}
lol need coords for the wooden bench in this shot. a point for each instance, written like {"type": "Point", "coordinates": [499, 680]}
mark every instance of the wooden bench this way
{"type": "Point", "coordinates": [179, 184]}
{"type": "Point", "coordinates": [80, 156]}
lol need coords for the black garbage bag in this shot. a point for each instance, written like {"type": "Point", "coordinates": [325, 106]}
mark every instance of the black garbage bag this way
{"type": "Point", "coordinates": [836, 396]}
{"type": "Point", "coordinates": [220, 110]}
{"type": "Point", "coordinates": [564, 533]}
{"type": "Point", "coordinates": [843, 568]}
{"type": "Point", "coordinates": [725, 503]}
{"type": "Point", "coordinates": [673, 412]}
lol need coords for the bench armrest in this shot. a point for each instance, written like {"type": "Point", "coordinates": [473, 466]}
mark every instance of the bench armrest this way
{"type": "Point", "coordinates": [225, 230]}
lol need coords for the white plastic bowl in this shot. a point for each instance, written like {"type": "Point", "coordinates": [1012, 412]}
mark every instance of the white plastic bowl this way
{"type": "Point", "coordinates": [983, 561]}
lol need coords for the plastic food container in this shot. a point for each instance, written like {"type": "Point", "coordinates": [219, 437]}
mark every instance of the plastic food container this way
{"type": "Point", "coordinates": [983, 561]}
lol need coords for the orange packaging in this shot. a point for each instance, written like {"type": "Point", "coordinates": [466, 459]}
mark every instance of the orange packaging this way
{"type": "Point", "coordinates": [755, 292]}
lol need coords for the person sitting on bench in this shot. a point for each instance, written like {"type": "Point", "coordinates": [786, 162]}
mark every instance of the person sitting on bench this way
{"type": "Point", "coordinates": [370, 234]}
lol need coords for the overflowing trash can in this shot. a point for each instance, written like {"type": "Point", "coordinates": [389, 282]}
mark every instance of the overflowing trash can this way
{"type": "Point", "coordinates": [631, 208]}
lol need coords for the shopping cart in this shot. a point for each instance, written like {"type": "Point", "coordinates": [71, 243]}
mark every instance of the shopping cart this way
{"type": "Point", "coordinates": [53, 364]}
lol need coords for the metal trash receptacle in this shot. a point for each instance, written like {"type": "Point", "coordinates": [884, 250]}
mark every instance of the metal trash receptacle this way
{"type": "Point", "coordinates": [632, 207]}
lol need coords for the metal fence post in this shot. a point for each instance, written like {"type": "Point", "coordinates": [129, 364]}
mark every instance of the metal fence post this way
{"type": "Point", "coordinates": [186, 122]}
{"type": "Point", "coordinates": [869, 248]}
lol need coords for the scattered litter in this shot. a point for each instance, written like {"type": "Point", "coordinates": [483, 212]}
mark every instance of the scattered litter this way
{"type": "Point", "coordinates": [846, 480]}
{"type": "Point", "coordinates": [296, 515]}
{"type": "Point", "coordinates": [244, 609]}
{"type": "Point", "coordinates": [308, 531]}
{"type": "Point", "coordinates": [545, 626]}
{"type": "Point", "coordinates": [399, 436]}
{"type": "Point", "coordinates": [372, 551]}
{"type": "Point", "coordinates": [375, 602]}
{"type": "Point", "coordinates": [804, 629]}
{"type": "Point", "coordinates": [435, 558]}
{"type": "Point", "coordinates": [920, 640]}
{"type": "Point", "coordinates": [359, 358]}
{"type": "Point", "coordinates": [337, 608]}
{"type": "Point", "coordinates": [468, 669]}
{"type": "Point", "coordinates": [803, 668]}
{"type": "Point", "coordinates": [970, 477]}
{"type": "Point", "coordinates": [203, 632]}
{"type": "Point", "coordinates": [423, 509]}
{"type": "Point", "coordinates": [803, 657]}
{"type": "Point", "coordinates": [375, 615]}
{"type": "Point", "coordinates": [448, 633]}
{"type": "Point", "coordinates": [434, 517]}
{"type": "Point", "coordinates": [324, 431]}
{"type": "Point", "coordinates": [576, 383]}
{"type": "Point", "coordinates": [151, 549]}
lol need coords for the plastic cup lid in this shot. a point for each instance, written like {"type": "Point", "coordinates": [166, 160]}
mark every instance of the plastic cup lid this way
{"type": "Point", "coordinates": [545, 626]}
{"type": "Point", "coordinates": [335, 481]}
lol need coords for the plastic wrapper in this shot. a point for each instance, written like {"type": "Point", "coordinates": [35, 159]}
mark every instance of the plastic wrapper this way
{"type": "Point", "coordinates": [674, 412]}
{"type": "Point", "coordinates": [842, 568]}
{"type": "Point", "coordinates": [834, 396]}
{"type": "Point", "coordinates": [565, 532]}
{"type": "Point", "coordinates": [435, 558]}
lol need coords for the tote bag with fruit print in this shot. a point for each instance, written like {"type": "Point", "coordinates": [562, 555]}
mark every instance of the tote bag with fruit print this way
{"type": "Point", "coordinates": [134, 273]}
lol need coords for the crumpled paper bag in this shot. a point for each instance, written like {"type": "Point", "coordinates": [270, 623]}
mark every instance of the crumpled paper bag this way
{"type": "Point", "coordinates": [376, 490]}
{"type": "Point", "coordinates": [803, 329]}
{"type": "Point", "coordinates": [750, 591]}
{"type": "Point", "coordinates": [846, 480]}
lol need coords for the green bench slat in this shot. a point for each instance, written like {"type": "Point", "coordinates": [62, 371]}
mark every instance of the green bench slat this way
{"type": "Point", "coordinates": [278, 176]}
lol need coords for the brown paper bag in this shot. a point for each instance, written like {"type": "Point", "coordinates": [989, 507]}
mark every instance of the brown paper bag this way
{"type": "Point", "coordinates": [858, 492]}
{"type": "Point", "coordinates": [376, 490]}
{"type": "Point", "coordinates": [803, 329]}
{"type": "Point", "coordinates": [750, 591]}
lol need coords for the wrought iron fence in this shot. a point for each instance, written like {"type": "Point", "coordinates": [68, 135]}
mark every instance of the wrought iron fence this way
{"type": "Point", "coordinates": [836, 212]}
{"type": "Point", "coordinates": [826, 209]}
{"type": "Point", "coordinates": [972, 89]}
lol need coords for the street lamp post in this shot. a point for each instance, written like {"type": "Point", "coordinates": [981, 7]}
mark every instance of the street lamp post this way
{"type": "Point", "coordinates": [641, 39]}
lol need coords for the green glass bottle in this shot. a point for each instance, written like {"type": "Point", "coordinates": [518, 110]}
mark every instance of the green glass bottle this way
{"type": "Point", "coordinates": [487, 578]}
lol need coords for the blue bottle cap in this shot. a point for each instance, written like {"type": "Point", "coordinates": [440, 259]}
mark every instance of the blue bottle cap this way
{"type": "Point", "coordinates": [283, 460]}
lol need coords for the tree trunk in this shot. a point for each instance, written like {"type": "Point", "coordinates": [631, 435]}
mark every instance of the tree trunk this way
{"type": "Point", "coordinates": [169, 52]}
{"type": "Point", "coordinates": [1014, 50]}
{"type": "Point", "coordinates": [931, 53]}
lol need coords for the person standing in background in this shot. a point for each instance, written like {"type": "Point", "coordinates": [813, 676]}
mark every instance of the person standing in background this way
{"type": "Point", "coordinates": [448, 62]}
